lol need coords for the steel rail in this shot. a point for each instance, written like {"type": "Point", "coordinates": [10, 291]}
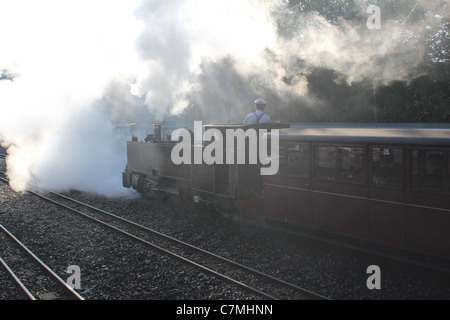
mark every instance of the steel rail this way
{"type": "Point", "coordinates": [160, 249]}
{"type": "Point", "coordinates": [255, 272]}
{"type": "Point", "coordinates": [17, 280]}
{"type": "Point", "coordinates": [302, 291]}
{"type": "Point", "coordinates": [49, 271]}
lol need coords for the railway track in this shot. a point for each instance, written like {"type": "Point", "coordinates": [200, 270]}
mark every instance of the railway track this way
{"type": "Point", "coordinates": [34, 279]}
{"type": "Point", "coordinates": [263, 285]}
{"type": "Point", "coordinates": [247, 278]}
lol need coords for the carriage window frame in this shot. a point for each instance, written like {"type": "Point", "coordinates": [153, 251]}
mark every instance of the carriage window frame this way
{"type": "Point", "coordinates": [445, 169]}
{"type": "Point", "coordinates": [401, 169]}
{"type": "Point", "coordinates": [362, 181]}
{"type": "Point", "coordinates": [288, 166]}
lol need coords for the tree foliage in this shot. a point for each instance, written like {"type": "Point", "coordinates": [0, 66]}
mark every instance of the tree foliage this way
{"type": "Point", "coordinates": [416, 91]}
{"type": "Point", "coordinates": [424, 98]}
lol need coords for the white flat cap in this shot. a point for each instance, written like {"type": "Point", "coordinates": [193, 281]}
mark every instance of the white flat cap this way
{"type": "Point", "coordinates": [260, 101]}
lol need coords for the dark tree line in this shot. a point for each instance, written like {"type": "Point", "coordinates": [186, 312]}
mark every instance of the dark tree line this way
{"type": "Point", "coordinates": [423, 98]}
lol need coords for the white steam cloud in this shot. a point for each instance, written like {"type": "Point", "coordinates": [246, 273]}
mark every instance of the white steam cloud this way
{"type": "Point", "coordinates": [272, 47]}
{"type": "Point", "coordinates": [65, 56]}
{"type": "Point", "coordinates": [178, 35]}
{"type": "Point", "coordinates": [66, 53]}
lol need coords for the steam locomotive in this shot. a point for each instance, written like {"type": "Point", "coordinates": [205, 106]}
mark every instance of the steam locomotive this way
{"type": "Point", "coordinates": [384, 184]}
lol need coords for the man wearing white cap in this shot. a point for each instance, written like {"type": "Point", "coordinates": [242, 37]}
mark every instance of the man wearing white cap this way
{"type": "Point", "coordinates": [258, 116]}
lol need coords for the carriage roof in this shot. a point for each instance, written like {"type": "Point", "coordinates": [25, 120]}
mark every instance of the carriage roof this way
{"type": "Point", "coordinates": [417, 134]}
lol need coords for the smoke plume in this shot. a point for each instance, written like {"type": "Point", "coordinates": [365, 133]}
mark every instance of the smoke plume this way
{"type": "Point", "coordinates": [196, 52]}
{"type": "Point", "coordinates": [82, 66]}
{"type": "Point", "coordinates": [67, 54]}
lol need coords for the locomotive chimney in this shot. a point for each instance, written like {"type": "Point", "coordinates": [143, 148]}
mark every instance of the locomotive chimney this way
{"type": "Point", "coordinates": [157, 132]}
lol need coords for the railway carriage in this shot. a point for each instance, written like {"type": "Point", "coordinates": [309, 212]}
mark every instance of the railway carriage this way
{"type": "Point", "coordinates": [386, 185]}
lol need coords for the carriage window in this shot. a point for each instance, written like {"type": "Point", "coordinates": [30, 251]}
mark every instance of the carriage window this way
{"type": "Point", "coordinates": [387, 167]}
{"type": "Point", "coordinates": [298, 160]}
{"type": "Point", "coordinates": [426, 170]}
{"type": "Point", "coordinates": [342, 164]}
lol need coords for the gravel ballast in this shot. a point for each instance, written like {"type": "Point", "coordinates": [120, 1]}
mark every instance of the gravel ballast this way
{"type": "Point", "coordinates": [115, 268]}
